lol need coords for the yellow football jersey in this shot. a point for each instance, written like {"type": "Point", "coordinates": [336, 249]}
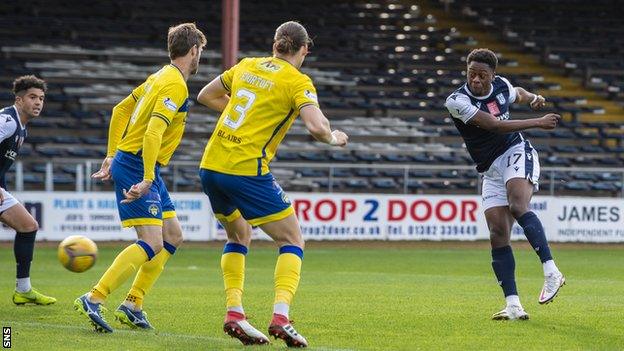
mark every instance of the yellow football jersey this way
{"type": "Point", "coordinates": [163, 95]}
{"type": "Point", "coordinates": [266, 94]}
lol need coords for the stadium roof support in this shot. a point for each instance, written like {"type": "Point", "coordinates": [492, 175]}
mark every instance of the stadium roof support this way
{"type": "Point", "coordinates": [229, 36]}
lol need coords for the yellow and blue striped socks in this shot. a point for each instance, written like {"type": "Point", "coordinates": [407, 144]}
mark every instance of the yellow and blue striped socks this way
{"type": "Point", "coordinates": [124, 265]}
{"type": "Point", "coordinates": [233, 267]}
{"type": "Point", "coordinates": [287, 275]}
{"type": "Point", "coordinates": [146, 277]}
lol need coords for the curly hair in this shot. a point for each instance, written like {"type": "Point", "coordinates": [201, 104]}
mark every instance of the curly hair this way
{"type": "Point", "coordinates": [485, 56]}
{"type": "Point", "coordinates": [23, 83]}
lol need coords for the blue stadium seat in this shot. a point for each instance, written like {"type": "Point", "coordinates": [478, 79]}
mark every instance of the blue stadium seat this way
{"type": "Point", "coordinates": [366, 172]}
{"type": "Point", "coordinates": [384, 183]}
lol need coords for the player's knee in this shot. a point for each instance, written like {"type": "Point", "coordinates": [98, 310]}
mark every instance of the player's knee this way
{"type": "Point", "coordinates": [498, 237]}
{"type": "Point", "coordinates": [29, 226]}
{"type": "Point", "coordinates": [177, 241]}
{"type": "Point", "coordinates": [156, 247]}
{"type": "Point", "coordinates": [518, 209]}
{"type": "Point", "coordinates": [293, 240]}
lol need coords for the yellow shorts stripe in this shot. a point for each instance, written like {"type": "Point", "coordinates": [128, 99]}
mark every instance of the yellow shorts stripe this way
{"type": "Point", "coordinates": [229, 218]}
{"type": "Point", "coordinates": [168, 214]}
{"type": "Point", "coordinates": [141, 221]}
{"type": "Point", "coordinates": [272, 217]}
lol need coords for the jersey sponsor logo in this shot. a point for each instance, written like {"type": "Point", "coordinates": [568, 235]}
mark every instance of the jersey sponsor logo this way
{"type": "Point", "coordinates": [493, 108]}
{"type": "Point", "coordinates": [310, 95]}
{"type": "Point", "coordinates": [501, 99]}
{"type": "Point", "coordinates": [270, 66]}
{"type": "Point", "coordinates": [170, 105]}
{"type": "Point", "coordinates": [10, 154]}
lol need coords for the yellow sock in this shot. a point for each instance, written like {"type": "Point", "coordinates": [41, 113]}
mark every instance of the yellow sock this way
{"type": "Point", "coordinates": [147, 276]}
{"type": "Point", "coordinates": [125, 264]}
{"type": "Point", "coordinates": [287, 274]}
{"type": "Point", "coordinates": [233, 267]}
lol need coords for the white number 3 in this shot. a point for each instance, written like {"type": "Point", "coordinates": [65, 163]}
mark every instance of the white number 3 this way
{"type": "Point", "coordinates": [242, 93]}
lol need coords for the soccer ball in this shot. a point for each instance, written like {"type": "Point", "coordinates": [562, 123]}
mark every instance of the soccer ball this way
{"type": "Point", "coordinates": [77, 253]}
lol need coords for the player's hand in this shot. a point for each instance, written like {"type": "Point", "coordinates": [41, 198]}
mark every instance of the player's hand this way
{"type": "Point", "coordinates": [339, 138]}
{"type": "Point", "coordinates": [537, 102]}
{"type": "Point", "coordinates": [549, 121]}
{"type": "Point", "coordinates": [1, 196]}
{"type": "Point", "coordinates": [136, 191]}
{"type": "Point", "coordinates": [104, 172]}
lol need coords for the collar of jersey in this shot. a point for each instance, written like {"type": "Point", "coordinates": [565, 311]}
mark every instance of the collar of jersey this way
{"type": "Point", "coordinates": [178, 69]}
{"type": "Point", "coordinates": [479, 97]}
{"type": "Point", "coordinates": [18, 117]}
{"type": "Point", "coordinates": [279, 58]}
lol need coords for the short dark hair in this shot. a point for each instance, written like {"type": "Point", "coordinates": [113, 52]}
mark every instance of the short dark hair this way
{"type": "Point", "coordinates": [181, 38]}
{"type": "Point", "coordinates": [486, 56]}
{"type": "Point", "coordinates": [290, 37]}
{"type": "Point", "coordinates": [24, 83]}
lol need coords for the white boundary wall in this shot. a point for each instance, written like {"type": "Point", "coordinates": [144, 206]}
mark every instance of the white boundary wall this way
{"type": "Point", "coordinates": [334, 216]}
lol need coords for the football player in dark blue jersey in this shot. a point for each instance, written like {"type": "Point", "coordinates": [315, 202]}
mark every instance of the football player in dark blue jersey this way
{"type": "Point", "coordinates": [510, 169]}
{"type": "Point", "coordinates": [29, 95]}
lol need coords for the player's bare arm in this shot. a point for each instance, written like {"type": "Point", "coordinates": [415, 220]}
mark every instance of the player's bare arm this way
{"type": "Point", "coordinates": [486, 121]}
{"type": "Point", "coordinates": [318, 125]}
{"type": "Point", "coordinates": [535, 101]}
{"type": "Point", "coordinates": [214, 95]}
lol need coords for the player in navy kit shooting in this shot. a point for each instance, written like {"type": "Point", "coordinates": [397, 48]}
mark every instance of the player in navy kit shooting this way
{"type": "Point", "coordinates": [510, 169]}
{"type": "Point", "coordinates": [29, 95]}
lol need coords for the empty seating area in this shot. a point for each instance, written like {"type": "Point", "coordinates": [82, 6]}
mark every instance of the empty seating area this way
{"type": "Point", "coordinates": [589, 47]}
{"type": "Point", "coordinates": [382, 70]}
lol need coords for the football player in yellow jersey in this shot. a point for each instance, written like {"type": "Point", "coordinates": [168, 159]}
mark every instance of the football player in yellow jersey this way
{"type": "Point", "coordinates": [260, 99]}
{"type": "Point", "coordinates": [145, 129]}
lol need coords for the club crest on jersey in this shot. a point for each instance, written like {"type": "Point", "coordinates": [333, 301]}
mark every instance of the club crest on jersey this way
{"type": "Point", "coordinates": [153, 209]}
{"type": "Point", "coordinates": [493, 108]}
{"type": "Point", "coordinates": [310, 95]}
{"type": "Point", "coordinates": [170, 105]}
{"type": "Point", "coordinates": [501, 99]}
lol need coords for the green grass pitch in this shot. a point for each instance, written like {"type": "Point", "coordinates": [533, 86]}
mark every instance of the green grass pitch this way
{"type": "Point", "coordinates": [353, 296]}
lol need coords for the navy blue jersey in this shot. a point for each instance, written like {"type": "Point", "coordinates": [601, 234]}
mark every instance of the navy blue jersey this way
{"type": "Point", "coordinates": [12, 135]}
{"type": "Point", "coordinates": [483, 146]}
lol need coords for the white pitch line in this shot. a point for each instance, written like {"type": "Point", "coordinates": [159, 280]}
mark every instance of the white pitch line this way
{"type": "Point", "coordinates": [166, 334]}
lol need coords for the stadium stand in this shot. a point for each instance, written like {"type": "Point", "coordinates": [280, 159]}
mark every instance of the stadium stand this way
{"type": "Point", "coordinates": [383, 82]}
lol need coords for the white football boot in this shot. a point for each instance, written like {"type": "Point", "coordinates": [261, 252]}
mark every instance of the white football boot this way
{"type": "Point", "coordinates": [552, 283]}
{"type": "Point", "coordinates": [511, 313]}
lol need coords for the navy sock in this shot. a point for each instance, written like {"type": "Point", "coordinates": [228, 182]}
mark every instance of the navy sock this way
{"type": "Point", "coordinates": [504, 267]}
{"type": "Point", "coordinates": [23, 248]}
{"type": "Point", "coordinates": [534, 231]}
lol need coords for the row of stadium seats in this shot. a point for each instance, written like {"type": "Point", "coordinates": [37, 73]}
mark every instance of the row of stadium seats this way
{"type": "Point", "coordinates": [390, 63]}
{"type": "Point", "coordinates": [593, 54]}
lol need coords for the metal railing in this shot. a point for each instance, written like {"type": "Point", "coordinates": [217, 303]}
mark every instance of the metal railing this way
{"type": "Point", "coordinates": [85, 167]}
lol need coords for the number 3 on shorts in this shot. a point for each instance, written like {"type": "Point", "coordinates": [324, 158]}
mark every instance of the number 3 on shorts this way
{"type": "Point", "coordinates": [241, 109]}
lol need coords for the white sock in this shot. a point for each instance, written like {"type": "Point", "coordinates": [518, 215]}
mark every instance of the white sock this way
{"type": "Point", "coordinates": [513, 300]}
{"type": "Point", "coordinates": [238, 309]}
{"type": "Point", "coordinates": [549, 267]}
{"type": "Point", "coordinates": [131, 305]}
{"type": "Point", "coordinates": [281, 308]}
{"type": "Point", "coordinates": [22, 285]}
